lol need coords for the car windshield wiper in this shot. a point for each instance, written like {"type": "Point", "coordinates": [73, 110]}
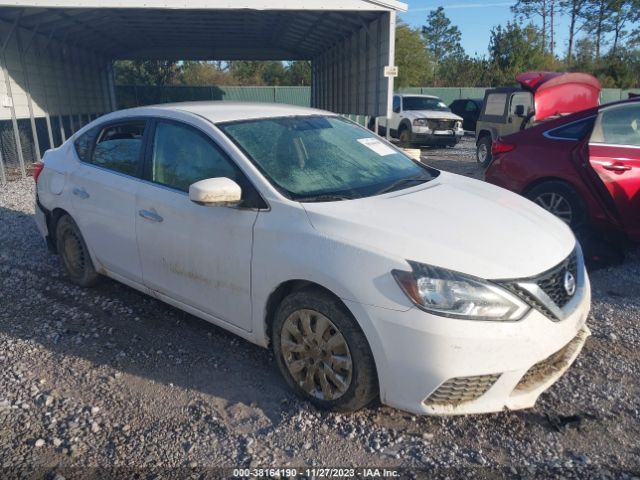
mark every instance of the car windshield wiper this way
{"type": "Point", "coordinates": [324, 198]}
{"type": "Point", "coordinates": [398, 184]}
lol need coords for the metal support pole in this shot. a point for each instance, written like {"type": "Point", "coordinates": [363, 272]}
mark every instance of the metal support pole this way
{"type": "Point", "coordinates": [112, 86]}
{"type": "Point", "coordinates": [104, 89]}
{"type": "Point", "coordinates": [392, 60]}
{"type": "Point", "coordinates": [55, 70]}
{"type": "Point", "coordinates": [85, 83]}
{"type": "Point", "coordinates": [27, 84]}
{"type": "Point", "coordinates": [3, 175]}
{"type": "Point", "coordinates": [47, 103]}
{"type": "Point", "coordinates": [7, 80]}
{"type": "Point", "coordinates": [77, 85]}
{"type": "Point", "coordinates": [70, 86]}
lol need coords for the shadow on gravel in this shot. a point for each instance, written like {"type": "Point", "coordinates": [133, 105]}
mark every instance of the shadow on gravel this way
{"type": "Point", "coordinates": [119, 328]}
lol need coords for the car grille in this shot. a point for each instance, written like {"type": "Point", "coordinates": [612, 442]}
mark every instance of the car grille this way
{"type": "Point", "coordinates": [557, 362]}
{"type": "Point", "coordinates": [441, 124]}
{"type": "Point", "coordinates": [461, 389]}
{"type": "Point", "coordinates": [550, 282]}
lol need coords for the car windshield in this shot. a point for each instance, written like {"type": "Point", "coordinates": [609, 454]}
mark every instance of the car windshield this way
{"type": "Point", "coordinates": [324, 158]}
{"type": "Point", "coordinates": [424, 103]}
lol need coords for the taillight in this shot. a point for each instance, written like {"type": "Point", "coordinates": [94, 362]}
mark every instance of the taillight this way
{"type": "Point", "coordinates": [37, 170]}
{"type": "Point", "coordinates": [500, 146]}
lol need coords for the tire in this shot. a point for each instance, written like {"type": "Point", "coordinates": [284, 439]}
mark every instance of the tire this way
{"type": "Point", "coordinates": [561, 199]}
{"type": "Point", "coordinates": [350, 384]}
{"type": "Point", "coordinates": [483, 151]}
{"type": "Point", "coordinates": [372, 126]}
{"type": "Point", "coordinates": [404, 138]}
{"type": "Point", "coordinates": [74, 255]}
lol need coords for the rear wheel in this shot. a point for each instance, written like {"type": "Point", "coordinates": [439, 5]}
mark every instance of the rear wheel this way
{"type": "Point", "coordinates": [322, 353]}
{"type": "Point", "coordinates": [74, 254]}
{"type": "Point", "coordinates": [560, 199]}
{"type": "Point", "coordinates": [483, 151]}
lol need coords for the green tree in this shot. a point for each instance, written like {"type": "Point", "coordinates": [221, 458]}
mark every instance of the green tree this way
{"type": "Point", "coordinates": [299, 73]}
{"type": "Point", "coordinates": [274, 74]}
{"type": "Point", "coordinates": [146, 72]}
{"type": "Point", "coordinates": [514, 49]}
{"type": "Point", "coordinates": [441, 38]}
{"type": "Point", "coordinates": [598, 24]}
{"type": "Point", "coordinates": [412, 59]}
{"type": "Point", "coordinates": [205, 73]}
{"type": "Point", "coordinates": [546, 10]}
{"type": "Point", "coordinates": [576, 11]}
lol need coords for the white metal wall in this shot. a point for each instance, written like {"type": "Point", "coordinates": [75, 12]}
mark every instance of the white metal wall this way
{"type": "Point", "coordinates": [349, 77]}
{"type": "Point", "coordinates": [48, 90]}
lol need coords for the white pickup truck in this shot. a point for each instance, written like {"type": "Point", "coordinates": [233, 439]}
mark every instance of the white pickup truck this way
{"type": "Point", "coordinates": [421, 120]}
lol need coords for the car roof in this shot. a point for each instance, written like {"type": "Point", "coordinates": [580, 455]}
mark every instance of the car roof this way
{"type": "Point", "coordinates": [227, 111]}
{"type": "Point", "coordinates": [416, 95]}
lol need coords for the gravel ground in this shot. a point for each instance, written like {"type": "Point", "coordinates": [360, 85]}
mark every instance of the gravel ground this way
{"type": "Point", "coordinates": [111, 378]}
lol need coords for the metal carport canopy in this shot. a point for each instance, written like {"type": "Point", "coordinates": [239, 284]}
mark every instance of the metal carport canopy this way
{"type": "Point", "coordinates": [349, 42]}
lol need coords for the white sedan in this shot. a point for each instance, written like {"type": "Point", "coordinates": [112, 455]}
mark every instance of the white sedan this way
{"type": "Point", "coordinates": [368, 273]}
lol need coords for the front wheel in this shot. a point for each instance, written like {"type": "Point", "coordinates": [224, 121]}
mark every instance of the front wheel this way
{"type": "Point", "coordinates": [483, 151]}
{"type": "Point", "coordinates": [322, 353]}
{"type": "Point", "coordinates": [405, 138]}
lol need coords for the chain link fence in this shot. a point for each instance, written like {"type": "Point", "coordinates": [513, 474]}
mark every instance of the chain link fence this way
{"type": "Point", "coordinates": [18, 152]}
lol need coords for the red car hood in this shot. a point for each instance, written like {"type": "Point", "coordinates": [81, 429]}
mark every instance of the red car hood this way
{"type": "Point", "coordinates": [560, 93]}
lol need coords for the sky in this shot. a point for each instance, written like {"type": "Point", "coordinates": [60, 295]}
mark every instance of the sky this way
{"type": "Point", "coordinates": [475, 19]}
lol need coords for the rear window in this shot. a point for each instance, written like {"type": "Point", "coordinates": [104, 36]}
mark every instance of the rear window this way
{"type": "Point", "coordinates": [495, 104]}
{"type": "Point", "coordinates": [119, 147]}
{"type": "Point", "coordinates": [84, 143]}
{"type": "Point", "coordinates": [574, 131]}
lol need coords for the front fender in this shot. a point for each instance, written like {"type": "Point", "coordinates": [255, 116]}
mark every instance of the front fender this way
{"type": "Point", "coordinates": [286, 247]}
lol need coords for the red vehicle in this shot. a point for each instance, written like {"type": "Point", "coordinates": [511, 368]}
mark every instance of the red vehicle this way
{"type": "Point", "coordinates": [583, 167]}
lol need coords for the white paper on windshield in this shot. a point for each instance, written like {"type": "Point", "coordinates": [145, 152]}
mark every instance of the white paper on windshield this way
{"type": "Point", "coordinates": [377, 146]}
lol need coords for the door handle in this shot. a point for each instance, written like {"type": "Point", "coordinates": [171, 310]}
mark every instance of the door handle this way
{"type": "Point", "coordinates": [616, 167]}
{"type": "Point", "coordinates": [80, 192]}
{"type": "Point", "coordinates": [150, 215]}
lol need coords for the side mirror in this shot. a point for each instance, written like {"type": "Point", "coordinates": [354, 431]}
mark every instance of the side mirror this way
{"type": "Point", "coordinates": [520, 110]}
{"type": "Point", "coordinates": [215, 192]}
{"type": "Point", "coordinates": [396, 109]}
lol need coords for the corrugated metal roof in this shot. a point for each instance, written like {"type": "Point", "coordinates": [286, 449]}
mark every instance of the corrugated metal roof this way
{"type": "Point", "coordinates": [199, 29]}
{"type": "Point", "coordinates": [217, 4]}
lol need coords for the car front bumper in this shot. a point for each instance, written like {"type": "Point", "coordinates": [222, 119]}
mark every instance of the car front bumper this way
{"type": "Point", "coordinates": [439, 366]}
{"type": "Point", "coordinates": [426, 136]}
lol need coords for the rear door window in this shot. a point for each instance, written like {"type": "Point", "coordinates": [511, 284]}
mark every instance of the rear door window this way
{"type": "Point", "coordinates": [119, 147]}
{"type": "Point", "coordinates": [618, 126]}
{"type": "Point", "coordinates": [496, 103]}
{"type": "Point", "coordinates": [471, 107]}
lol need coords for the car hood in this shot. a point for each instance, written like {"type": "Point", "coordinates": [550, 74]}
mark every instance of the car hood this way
{"type": "Point", "coordinates": [452, 222]}
{"type": "Point", "coordinates": [431, 114]}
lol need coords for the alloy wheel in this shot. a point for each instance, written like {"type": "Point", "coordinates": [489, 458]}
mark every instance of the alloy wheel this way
{"type": "Point", "coordinates": [556, 204]}
{"type": "Point", "coordinates": [482, 153]}
{"type": "Point", "coordinates": [316, 355]}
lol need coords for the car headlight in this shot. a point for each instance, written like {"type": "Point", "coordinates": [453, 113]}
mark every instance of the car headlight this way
{"type": "Point", "coordinates": [421, 122]}
{"type": "Point", "coordinates": [458, 125]}
{"type": "Point", "coordinates": [452, 294]}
